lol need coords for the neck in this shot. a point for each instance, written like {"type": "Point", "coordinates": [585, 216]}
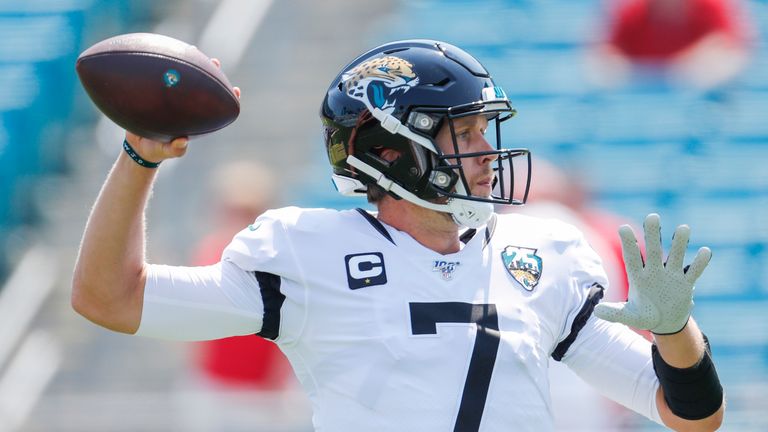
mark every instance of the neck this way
{"type": "Point", "coordinates": [432, 229]}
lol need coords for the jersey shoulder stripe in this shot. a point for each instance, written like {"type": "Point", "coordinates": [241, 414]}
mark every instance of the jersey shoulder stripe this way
{"type": "Point", "coordinates": [593, 298]}
{"type": "Point", "coordinates": [269, 285]}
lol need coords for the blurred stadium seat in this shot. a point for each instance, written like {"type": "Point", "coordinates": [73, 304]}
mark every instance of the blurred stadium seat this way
{"type": "Point", "coordinates": [39, 42]}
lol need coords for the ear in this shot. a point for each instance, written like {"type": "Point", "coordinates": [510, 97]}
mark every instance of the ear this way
{"type": "Point", "coordinates": [389, 154]}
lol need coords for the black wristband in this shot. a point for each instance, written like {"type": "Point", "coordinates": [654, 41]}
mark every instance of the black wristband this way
{"type": "Point", "coordinates": [691, 393]}
{"type": "Point", "coordinates": [138, 159]}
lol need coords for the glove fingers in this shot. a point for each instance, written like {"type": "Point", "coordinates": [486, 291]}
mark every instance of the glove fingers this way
{"type": "Point", "coordinates": [698, 265]}
{"type": "Point", "coordinates": [677, 250]}
{"type": "Point", "coordinates": [616, 312]}
{"type": "Point", "coordinates": [652, 226]}
{"type": "Point", "coordinates": [633, 261]}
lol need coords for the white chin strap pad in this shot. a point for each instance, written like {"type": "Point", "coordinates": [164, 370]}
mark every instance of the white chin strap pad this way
{"type": "Point", "coordinates": [471, 214]}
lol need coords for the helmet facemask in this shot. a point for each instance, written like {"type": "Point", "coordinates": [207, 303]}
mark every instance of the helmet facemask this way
{"type": "Point", "coordinates": [444, 185]}
{"type": "Point", "coordinates": [510, 166]}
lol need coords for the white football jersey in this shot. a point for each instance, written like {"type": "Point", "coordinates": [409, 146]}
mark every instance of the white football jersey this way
{"type": "Point", "coordinates": [387, 335]}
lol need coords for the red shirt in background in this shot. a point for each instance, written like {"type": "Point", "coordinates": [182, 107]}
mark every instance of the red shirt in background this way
{"type": "Point", "coordinates": [243, 361]}
{"type": "Point", "coordinates": [641, 33]}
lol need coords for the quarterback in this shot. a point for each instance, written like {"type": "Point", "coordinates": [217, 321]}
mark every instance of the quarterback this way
{"type": "Point", "coordinates": [432, 313]}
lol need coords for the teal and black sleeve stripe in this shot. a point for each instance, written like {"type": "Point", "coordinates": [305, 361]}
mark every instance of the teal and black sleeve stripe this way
{"type": "Point", "coordinates": [593, 298]}
{"type": "Point", "coordinates": [273, 299]}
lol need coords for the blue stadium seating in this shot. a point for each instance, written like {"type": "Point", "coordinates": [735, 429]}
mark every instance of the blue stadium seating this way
{"type": "Point", "coordinates": [39, 42]}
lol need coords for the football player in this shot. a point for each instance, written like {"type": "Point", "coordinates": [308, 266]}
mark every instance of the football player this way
{"type": "Point", "coordinates": [432, 313]}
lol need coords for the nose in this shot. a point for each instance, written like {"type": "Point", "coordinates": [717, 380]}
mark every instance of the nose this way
{"type": "Point", "coordinates": [484, 145]}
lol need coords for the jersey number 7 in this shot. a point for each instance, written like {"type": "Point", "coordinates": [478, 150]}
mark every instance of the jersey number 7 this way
{"type": "Point", "coordinates": [424, 319]}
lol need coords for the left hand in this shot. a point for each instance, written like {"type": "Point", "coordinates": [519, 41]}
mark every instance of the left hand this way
{"type": "Point", "coordinates": [235, 90]}
{"type": "Point", "coordinates": [660, 294]}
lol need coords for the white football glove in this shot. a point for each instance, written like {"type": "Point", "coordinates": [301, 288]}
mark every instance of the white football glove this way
{"type": "Point", "coordinates": [660, 294]}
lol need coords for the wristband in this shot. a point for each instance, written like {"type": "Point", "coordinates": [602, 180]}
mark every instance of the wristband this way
{"type": "Point", "coordinates": [691, 393]}
{"type": "Point", "coordinates": [138, 159]}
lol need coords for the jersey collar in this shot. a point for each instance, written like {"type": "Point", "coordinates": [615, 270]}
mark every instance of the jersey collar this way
{"type": "Point", "coordinates": [465, 237]}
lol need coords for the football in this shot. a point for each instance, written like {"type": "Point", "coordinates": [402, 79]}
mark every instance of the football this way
{"type": "Point", "coordinates": [157, 86]}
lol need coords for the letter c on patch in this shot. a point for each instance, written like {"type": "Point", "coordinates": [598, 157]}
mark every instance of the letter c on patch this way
{"type": "Point", "coordinates": [365, 266]}
{"type": "Point", "coordinates": [365, 269]}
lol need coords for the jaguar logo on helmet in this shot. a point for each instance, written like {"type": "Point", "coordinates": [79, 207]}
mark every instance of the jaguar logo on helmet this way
{"type": "Point", "coordinates": [523, 265]}
{"type": "Point", "coordinates": [378, 81]}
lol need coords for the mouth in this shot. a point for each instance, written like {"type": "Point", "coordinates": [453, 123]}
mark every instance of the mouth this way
{"type": "Point", "coordinates": [401, 89]}
{"type": "Point", "coordinates": [483, 187]}
{"type": "Point", "coordinates": [404, 85]}
{"type": "Point", "coordinates": [486, 180]}
{"type": "Point", "coordinates": [394, 93]}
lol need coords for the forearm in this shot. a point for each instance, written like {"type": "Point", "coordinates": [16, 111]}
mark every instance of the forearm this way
{"type": "Point", "coordinates": [683, 349]}
{"type": "Point", "coordinates": [109, 274]}
{"type": "Point", "coordinates": [692, 384]}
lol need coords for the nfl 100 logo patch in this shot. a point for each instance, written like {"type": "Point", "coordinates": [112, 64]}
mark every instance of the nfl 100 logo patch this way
{"type": "Point", "coordinates": [446, 268]}
{"type": "Point", "coordinates": [523, 265]}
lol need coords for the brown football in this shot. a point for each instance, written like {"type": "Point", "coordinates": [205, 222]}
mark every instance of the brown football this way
{"type": "Point", "coordinates": [156, 86]}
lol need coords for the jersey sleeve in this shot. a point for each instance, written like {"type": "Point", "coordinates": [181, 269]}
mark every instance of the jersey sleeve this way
{"type": "Point", "coordinates": [610, 357]}
{"type": "Point", "coordinates": [238, 296]}
{"type": "Point", "coordinates": [582, 288]}
{"type": "Point", "coordinates": [265, 245]}
{"type": "Point", "coordinates": [200, 303]}
{"type": "Point", "coordinates": [617, 363]}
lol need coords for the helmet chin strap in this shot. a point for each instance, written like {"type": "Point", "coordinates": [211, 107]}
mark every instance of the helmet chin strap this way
{"type": "Point", "coordinates": [466, 213]}
{"type": "Point", "coordinates": [471, 214]}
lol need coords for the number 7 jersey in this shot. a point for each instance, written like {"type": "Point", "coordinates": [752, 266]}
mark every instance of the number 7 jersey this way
{"type": "Point", "coordinates": [385, 334]}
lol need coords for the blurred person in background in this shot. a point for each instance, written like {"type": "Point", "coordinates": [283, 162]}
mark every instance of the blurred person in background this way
{"type": "Point", "coordinates": [241, 378]}
{"type": "Point", "coordinates": [561, 194]}
{"type": "Point", "coordinates": [699, 43]}
{"type": "Point", "coordinates": [434, 313]}
{"type": "Point", "coordinates": [240, 191]}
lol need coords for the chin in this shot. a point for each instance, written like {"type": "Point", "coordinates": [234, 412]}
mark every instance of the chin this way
{"type": "Point", "coordinates": [482, 192]}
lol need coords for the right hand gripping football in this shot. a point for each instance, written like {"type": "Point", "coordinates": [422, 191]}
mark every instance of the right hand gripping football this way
{"type": "Point", "coordinates": [660, 294]}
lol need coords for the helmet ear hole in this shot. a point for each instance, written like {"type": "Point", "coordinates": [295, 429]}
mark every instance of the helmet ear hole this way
{"type": "Point", "coordinates": [388, 154]}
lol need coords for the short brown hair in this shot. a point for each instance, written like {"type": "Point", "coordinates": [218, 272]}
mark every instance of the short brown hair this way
{"type": "Point", "coordinates": [375, 193]}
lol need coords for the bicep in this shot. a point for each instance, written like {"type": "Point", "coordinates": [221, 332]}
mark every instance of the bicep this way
{"type": "Point", "coordinates": [200, 303]}
{"type": "Point", "coordinates": [617, 363]}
